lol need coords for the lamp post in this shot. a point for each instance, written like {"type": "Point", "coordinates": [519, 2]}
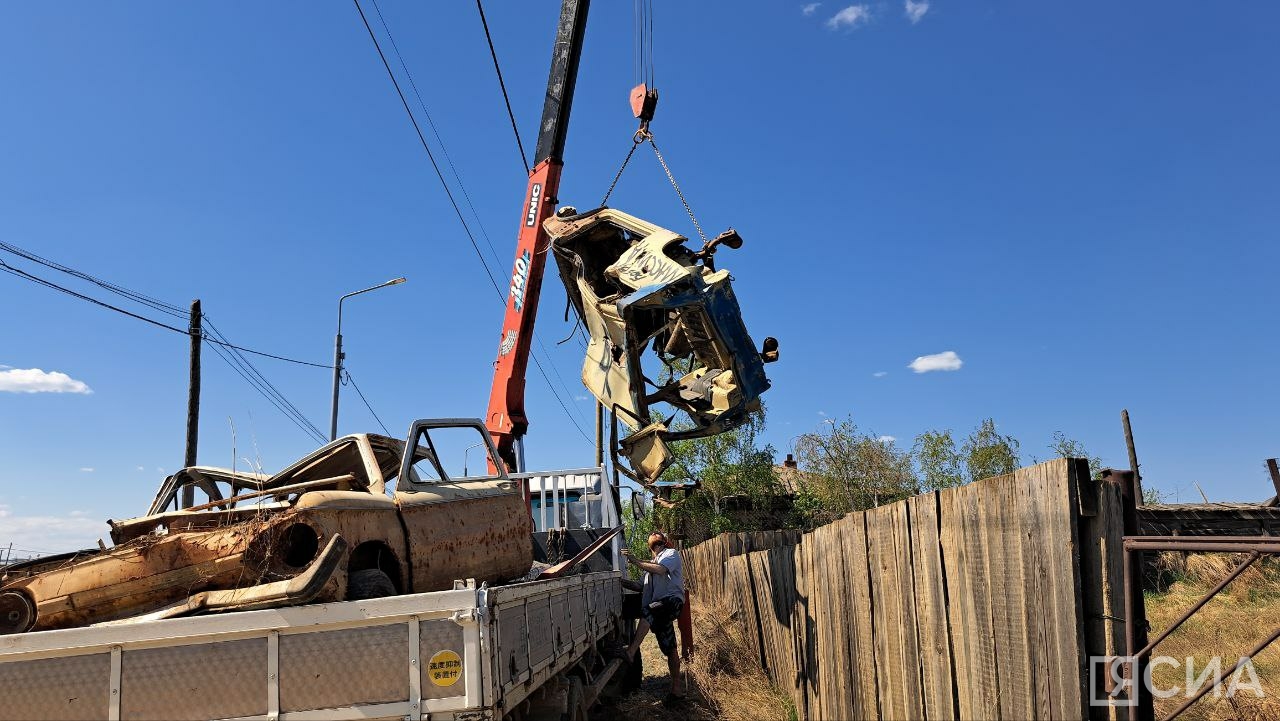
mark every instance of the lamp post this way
{"type": "Point", "coordinates": [338, 356]}
{"type": "Point", "coordinates": [464, 458]}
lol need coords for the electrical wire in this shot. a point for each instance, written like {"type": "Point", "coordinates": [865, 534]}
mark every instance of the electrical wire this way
{"type": "Point", "coordinates": [352, 382]}
{"type": "Point", "coordinates": [445, 185]}
{"type": "Point", "coordinates": [301, 422]}
{"type": "Point", "coordinates": [130, 294]}
{"type": "Point", "coordinates": [436, 132]}
{"type": "Point", "coordinates": [265, 386]}
{"type": "Point", "coordinates": [422, 138]}
{"type": "Point", "coordinates": [497, 69]}
{"type": "Point", "coordinates": [117, 289]}
{"type": "Point", "coordinates": [229, 352]}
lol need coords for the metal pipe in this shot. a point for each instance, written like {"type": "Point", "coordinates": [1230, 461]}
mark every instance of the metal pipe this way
{"type": "Point", "coordinates": [1207, 544]}
{"type": "Point", "coordinates": [555, 500]}
{"type": "Point", "coordinates": [1200, 694]}
{"type": "Point", "coordinates": [1199, 604]}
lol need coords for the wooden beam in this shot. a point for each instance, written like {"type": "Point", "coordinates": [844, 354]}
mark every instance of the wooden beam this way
{"type": "Point", "coordinates": [1275, 481]}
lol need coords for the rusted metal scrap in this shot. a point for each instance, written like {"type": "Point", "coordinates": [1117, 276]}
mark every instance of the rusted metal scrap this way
{"type": "Point", "coordinates": [323, 529]}
{"type": "Point", "coordinates": [637, 286]}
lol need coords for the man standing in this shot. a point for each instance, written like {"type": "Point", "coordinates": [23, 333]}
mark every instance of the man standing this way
{"type": "Point", "coordinates": [662, 600]}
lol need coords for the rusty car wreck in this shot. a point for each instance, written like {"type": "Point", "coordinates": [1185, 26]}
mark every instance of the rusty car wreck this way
{"type": "Point", "coordinates": [335, 525]}
{"type": "Point", "coordinates": [636, 285]}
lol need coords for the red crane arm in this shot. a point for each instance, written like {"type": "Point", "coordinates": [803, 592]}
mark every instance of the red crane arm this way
{"type": "Point", "coordinates": [506, 419]}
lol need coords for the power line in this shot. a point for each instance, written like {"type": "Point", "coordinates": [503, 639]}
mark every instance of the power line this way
{"type": "Point", "coordinates": [263, 385]}
{"type": "Point", "coordinates": [436, 132]}
{"type": "Point", "coordinates": [497, 69]}
{"type": "Point", "coordinates": [395, 48]}
{"type": "Point", "coordinates": [119, 290]}
{"type": "Point", "coordinates": [445, 185]}
{"type": "Point", "coordinates": [360, 393]}
{"type": "Point", "coordinates": [62, 289]}
{"type": "Point", "coordinates": [421, 138]}
{"type": "Point", "coordinates": [233, 354]}
{"type": "Point", "coordinates": [303, 424]}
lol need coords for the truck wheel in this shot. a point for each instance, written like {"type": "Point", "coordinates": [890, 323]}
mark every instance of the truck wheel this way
{"type": "Point", "coordinates": [369, 583]}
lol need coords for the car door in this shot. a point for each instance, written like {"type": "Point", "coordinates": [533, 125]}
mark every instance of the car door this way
{"type": "Point", "coordinates": [463, 519]}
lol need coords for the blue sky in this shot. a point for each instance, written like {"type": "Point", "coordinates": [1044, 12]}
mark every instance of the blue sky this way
{"type": "Point", "coordinates": [1079, 200]}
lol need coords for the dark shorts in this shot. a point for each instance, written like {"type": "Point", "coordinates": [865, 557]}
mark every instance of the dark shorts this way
{"type": "Point", "coordinates": [662, 615]}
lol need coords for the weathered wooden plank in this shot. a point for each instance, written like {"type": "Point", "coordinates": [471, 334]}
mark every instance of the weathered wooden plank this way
{"type": "Point", "coordinates": [860, 618]}
{"type": "Point", "coordinates": [931, 609]}
{"type": "Point", "coordinates": [800, 626]}
{"type": "Point", "coordinates": [1036, 539]}
{"type": "Point", "coordinates": [969, 612]}
{"type": "Point", "coordinates": [1002, 546]}
{"type": "Point", "coordinates": [893, 597]}
{"type": "Point", "coordinates": [1102, 584]}
{"type": "Point", "coordinates": [742, 595]}
{"type": "Point", "coordinates": [1053, 490]}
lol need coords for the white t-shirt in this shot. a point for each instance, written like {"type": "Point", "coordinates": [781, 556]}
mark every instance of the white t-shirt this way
{"type": "Point", "coordinates": [657, 586]}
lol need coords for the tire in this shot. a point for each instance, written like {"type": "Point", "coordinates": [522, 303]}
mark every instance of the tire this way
{"type": "Point", "coordinates": [369, 583]}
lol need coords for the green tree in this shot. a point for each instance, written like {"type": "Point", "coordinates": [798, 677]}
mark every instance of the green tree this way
{"type": "Point", "coordinates": [986, 453]}
{"type": "Point", "coordinates": [1064, 447]}
{"type": "Point", "coordinates": [848, 470]}
{"type": "Point", "coordinates": [728, 465]}
{"type": "Point", "coordinates": [939, 463]}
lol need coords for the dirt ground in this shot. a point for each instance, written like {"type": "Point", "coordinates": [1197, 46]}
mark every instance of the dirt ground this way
{"type": "Point", "coordinates": [646, 703]}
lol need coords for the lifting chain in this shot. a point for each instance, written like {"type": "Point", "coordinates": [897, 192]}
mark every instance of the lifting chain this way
{"type": "Point", "coordinates": [642, 136]}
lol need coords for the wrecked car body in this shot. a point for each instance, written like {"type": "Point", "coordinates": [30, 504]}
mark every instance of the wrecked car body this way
{"type": "Point", "coordinates": [636, 286]}
{"type": "Point", "coordinates": [361, 517]}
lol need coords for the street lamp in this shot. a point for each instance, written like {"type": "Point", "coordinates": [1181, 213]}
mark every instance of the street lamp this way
{"type": "Point", "coordinates": [338, 356]}
{"type": "Point", "coordinates": [464, 458]}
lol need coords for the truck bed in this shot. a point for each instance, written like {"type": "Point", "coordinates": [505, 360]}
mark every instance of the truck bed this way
{"type": "Point", "coordinates": [469, 653]}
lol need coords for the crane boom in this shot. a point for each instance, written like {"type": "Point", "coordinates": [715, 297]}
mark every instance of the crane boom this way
{"type": "Point", "coordinates": [506, 419]}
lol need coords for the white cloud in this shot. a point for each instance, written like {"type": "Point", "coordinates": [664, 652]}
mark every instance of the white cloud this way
{"type": "Point", "coordinates": [887, 439]}
{"type": "Point", "coordinates": [880, 374]}
{"type": "Point", "coordinates": [822, 413]}
{"type": "Point", "coordinates": [916, 10]}
{"type": "Point", "coordinates": [141, 468]}
{"type": "Point", "coordinates": [50, 534]}
{"type": "Point", "coordinates": [34, 380]}
{"type": "Point", "coordinates": [582, 398]}
{"type": "Point", "coordinates": [86, 470]}
{"type": "Point", "coordinates": [944, 361]}
{"type": "Point", "coordinates": [810, 9]}
{"type": "Point", "coordinates": [851, 17]}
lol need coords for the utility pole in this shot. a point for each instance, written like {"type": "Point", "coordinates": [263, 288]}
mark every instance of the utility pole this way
{"type": "Point", "coordinates": [193, 400]}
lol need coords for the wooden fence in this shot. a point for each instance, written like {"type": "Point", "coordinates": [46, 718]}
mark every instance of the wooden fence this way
{"type": "Point", "coordinates": [981, 602]}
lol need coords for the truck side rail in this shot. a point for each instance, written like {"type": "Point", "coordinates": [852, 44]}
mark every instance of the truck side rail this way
{"type": "Point", "coordinates": [541, 630]}
{"type": "Point", "coordinates": [404, 656]}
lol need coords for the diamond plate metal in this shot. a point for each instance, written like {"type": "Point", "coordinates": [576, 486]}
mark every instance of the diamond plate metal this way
{"type": "Point", "coordinates": [57, 689]}
{"type": "Point", "coordinates": [341, 668]}
{"type": "Point", "coordinates": [193, 683]}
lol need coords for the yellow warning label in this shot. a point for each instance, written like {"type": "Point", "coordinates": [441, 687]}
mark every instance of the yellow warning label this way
{"type": "Point", "coordinates": [445, 668]}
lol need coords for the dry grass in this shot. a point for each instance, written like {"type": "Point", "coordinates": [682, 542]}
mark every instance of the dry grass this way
{"type": "Point", "coordinates": [728, 673]}
{"type": "Point", "coordinates": [725, 679]}
{"type": "Point", "coordinates": [1229, 626]}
